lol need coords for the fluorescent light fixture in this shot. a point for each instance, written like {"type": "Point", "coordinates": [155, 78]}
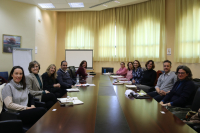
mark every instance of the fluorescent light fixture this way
{"type": "Point", "coordinates": [105, 5]}
{"type": "Point", "coordinates": [117, 1]}
{"type": "Point", "coordinates": [73, 5]}
{"type": "Point", "coordinates": [46, 5]}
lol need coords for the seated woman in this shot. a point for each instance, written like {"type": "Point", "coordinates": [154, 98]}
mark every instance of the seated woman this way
{"type": "Point", "coordinates": [122, 71]}
{"type": "Point", "coordinates": [129, 75]}
{"type": "Point", "coordinates": [35, 85]}
{"type": "Point", "coordinates": [82, 69]}
{"type": "Point", "coordinates": [50, 82]}
{"type": "Point", "coordinates": [182, 89]}
{"type": "Point", "coordinates": [17, 98]}
{"type": "Point", "coordinates": [137, 72]}
{"type": "Point", "coordinates": [149, 77]}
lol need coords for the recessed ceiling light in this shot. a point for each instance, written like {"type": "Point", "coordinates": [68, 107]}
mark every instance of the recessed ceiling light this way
{"type": "Point", "coordinates": [46, 5]}
{"type": "Point", "coordinates": [76, 5]}
{"type": "Point", "coordinates": [117, 1]}
{"type": "Point", "coordinates": [105, 5]}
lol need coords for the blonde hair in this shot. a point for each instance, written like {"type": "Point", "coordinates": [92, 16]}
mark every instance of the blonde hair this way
{"type": "Point", "coordinates": [48, 71]}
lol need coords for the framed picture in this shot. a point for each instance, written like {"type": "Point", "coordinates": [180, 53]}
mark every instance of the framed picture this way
{"type": "Point", "coordinates": [11, 41]}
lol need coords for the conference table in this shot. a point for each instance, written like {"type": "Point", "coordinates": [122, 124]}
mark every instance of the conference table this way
{"type": "Point", "coordinates": [106, 109]}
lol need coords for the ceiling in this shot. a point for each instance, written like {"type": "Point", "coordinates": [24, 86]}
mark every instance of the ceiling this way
{"type": "Point", "coordinates": [90, 5]}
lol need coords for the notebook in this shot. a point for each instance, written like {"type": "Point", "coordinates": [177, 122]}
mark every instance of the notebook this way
{"type": "Point", "coordinates": [73, 90]}
{"type": "Point", "coordinates": [73, 100]}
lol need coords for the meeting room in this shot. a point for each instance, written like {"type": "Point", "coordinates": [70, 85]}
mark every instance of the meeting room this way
{"type": "Point", "coordinates": [100, 66]}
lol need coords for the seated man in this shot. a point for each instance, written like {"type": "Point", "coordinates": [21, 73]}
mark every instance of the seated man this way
{"type": "Point", "coordinates": [182, 90]}
{"type": "Point", "coordinates": [165, 82]}
{"type": "Point", "coordinates": [64, 77]}
{"type": "Point", "coordinates": [122, 71]}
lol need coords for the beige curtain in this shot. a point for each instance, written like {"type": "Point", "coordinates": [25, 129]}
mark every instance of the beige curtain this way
{"type": "Point", "coordinates": [141, 31]}
{"type": "Point", "coordinates": [187, 34]}
{"type": "Point", "coordinates": [120, 34]}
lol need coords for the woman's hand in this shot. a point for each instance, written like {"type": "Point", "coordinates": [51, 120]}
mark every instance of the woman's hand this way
{"type": "Point", "coordinates": [46, 91]}
{"type": "Point", "coordinates": [133, 81]}
{"type": "Point", "coordinates": [32, 107]}
{"type": "Point", "coordinates": [56, 85]}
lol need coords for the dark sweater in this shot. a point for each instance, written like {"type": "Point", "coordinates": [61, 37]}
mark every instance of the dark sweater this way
{"type": "Point", "coordinates": [179, 96]}
{"type": "Point", "coordinates": [81, 72]}
{"type": "Point", "coordinates": [148, 78]}
{"type": "Point", "coordinates": [48, 82]}
{"type": "Point", "coordinates": [64, 79]}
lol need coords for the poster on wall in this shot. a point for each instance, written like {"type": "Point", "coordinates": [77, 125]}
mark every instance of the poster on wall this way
{"type": "Point", "coordinates": [10, 42]}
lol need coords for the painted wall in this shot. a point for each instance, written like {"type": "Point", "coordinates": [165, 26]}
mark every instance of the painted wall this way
{"type": "Point", "coordinates": [45, 38]}
{"type": "Point", "coordinates": [16, 19]}
{"type": "Point", "coordinates": [22, 19]}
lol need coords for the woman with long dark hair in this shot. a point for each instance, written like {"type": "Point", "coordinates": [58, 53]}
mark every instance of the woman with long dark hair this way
{"type": "Point", "coordinates": [82, 69]}
{"type": "Point", "coordinates": [17, 98]}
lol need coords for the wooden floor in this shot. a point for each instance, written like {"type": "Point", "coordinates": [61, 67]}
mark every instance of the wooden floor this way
{"type": "Point", "coordinates": [106, 109]}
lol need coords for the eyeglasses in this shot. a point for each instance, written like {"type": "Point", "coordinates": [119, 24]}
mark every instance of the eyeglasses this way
{"type": "Point", "coordinates": [181, 73]}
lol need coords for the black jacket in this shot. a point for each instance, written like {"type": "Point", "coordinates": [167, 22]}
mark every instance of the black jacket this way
{"type": "Point", "coordinates": [48, 82]}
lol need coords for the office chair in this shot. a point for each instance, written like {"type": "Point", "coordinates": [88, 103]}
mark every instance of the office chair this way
{"type": "Point", "coordinates": [4, 75]}
{"type": "Point", "coordinates": [107, 69]}
{"type": "Point", "coordinates": [73, 71]}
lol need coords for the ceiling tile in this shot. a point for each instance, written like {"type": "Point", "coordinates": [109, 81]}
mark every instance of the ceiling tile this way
{"type": "Point", "coordinates": [61, 5]}
{"type": "Point", "coordinates": [84, 1]}
{"type": "Point", "coordinates": [42, 1]}
{"type": "Point", "coordinates": [58, 1]}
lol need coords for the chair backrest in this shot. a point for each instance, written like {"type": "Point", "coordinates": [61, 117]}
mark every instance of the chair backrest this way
{"type": "Point", "coordinates": [158, 73]}
{"type": "Point", "coordinates": [1, 100]}
{"type": "Point", "coordinates": [107, 69]}
{"type": "Point", "coordinates": [4, 75]}
{"type": "Point", "coordinates": [196, 101]}
{"type": "Point", "coordinates": [73, 71]}
{"type": "Point", "coordinates": [11, 126]}
{"type": "Point", "coordinates": [70, 72]}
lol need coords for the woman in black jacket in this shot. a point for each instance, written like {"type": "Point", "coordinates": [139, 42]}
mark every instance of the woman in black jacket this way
{"type": "Point", "coordinates": [149, 77]}
{"type": "Point", "coordinates": [50, 82]}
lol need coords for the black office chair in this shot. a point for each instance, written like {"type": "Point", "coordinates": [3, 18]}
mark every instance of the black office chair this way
{"type": "Point", "coordinates": [73, 71]}
{"type": "Point", "coordinates": [107, 69]}
{"type": "Point", "coordinates": [12, 119]}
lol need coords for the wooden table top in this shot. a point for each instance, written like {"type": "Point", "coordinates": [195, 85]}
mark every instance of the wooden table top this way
{"type": "Point", "coordinates": [106, 109]}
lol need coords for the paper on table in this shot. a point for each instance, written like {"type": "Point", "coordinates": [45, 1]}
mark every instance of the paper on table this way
{"type": "Point", "coordinates": [73, 100]}
{"type": "Point", "coordinates": [116, 76]}
{"type": "Point", "coordinates": [86, 85]}
{"type": "Point", "coordinates": [125, 81]}
{"type": "Point", "coordinates": [74, 89]}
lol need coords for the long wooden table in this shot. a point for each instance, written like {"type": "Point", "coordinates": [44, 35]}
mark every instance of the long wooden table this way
{"type": "Point", "coordinates": [106, 109]}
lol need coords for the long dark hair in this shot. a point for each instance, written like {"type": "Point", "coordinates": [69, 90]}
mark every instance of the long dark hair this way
{"type": "Point", "coordinates": [139, 65]}
{"type": "Point", "coordinates": [187, 70]}
{"type": "Point", "coordinates": [23, 81]}
{"type": "Point", "coordinates": [128, 65]}
{"type": "Point", "coordinates": [83, 63]}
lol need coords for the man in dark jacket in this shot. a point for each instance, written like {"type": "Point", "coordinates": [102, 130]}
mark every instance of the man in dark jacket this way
{"type": "Point", "coordinates": [64, 77]}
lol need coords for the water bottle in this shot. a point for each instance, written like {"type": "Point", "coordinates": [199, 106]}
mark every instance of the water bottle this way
{"type": "Point", "coordinates": [77, 79]}
{"type": "Point", "coordinates": [104, 70]}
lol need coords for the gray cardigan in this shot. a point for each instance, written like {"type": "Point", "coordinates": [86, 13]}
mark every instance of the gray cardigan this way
{"type": "Point", "coordinates": [33, 85]}
{"type": "Point", "coordinates": [14, 97]}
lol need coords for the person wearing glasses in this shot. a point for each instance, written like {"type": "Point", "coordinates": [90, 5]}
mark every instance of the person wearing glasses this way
{"type": "Point", "coordinates": [122, 71]}
{"type": "Point", "coordinates": [165, 82]}
{"type": "Point", "coordinates": [35, 85]}
{"type": "Point", "coordinates": [182, 90]}
{"type": "Point", "coordinates": [64, 78]}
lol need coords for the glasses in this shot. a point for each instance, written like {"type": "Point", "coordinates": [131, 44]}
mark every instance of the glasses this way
{"type": "Point", "coordinates": [181, 73]}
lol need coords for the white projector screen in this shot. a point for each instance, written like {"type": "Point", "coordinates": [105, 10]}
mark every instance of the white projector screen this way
{"type": "Point", "coordinates": [22, 57]}
{"type": "Point", "coordinates": [75, 56]}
